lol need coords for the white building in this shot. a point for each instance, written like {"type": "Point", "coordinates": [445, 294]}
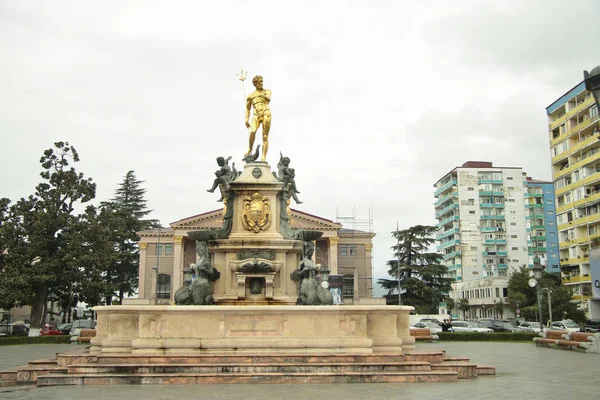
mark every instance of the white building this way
{"type": "Point", "coordinates": [484, 215]}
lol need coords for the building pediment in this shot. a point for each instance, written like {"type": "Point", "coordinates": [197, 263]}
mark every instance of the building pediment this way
{"type": "Point", "coordinates": [214, 220]}
{"type": "Point", "coordinates": [208, 220]}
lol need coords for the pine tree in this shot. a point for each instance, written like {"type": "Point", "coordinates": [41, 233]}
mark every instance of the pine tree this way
{"type": "Point", "coordinates": [422, 276]}
{"type": "Point", "coordinates": [124, 214]}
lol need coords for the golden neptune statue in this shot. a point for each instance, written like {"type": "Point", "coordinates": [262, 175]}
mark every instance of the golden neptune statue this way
{"type": "Point", "coordinates": [259, 100]}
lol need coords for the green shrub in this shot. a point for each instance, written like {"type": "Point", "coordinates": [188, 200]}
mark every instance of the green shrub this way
{"type": "Point", "coordinates": [11, 340]}
{"type": "Point", "coordinates": [488, 336]}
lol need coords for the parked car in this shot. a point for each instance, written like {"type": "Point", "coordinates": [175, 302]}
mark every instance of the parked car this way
{"type": "Point", "coordinates": [19, 329]}
{"type": "Point", "coordinates": [496, 325]}
{"type": "Point", "coordinates": [514, 326]}
{"type": "Point", "coordinates": [435, 321]}
{"type": "Point", "coordinates": [565, 325]}
{"type": "Point", "coordinates": [591, 325]}
{"type": "Point", "coordinates": [50, 330]}
{"type": "Point", "coordinates": [432, 326]}
{"type": "Point", "coordinates": [65, 328]}
{"type": "Point", "coordinates": [469, 326]}
{"type": "Point", "coordinates": [80, 324]}
{"type": "Point", "coordinates": [530, 326]}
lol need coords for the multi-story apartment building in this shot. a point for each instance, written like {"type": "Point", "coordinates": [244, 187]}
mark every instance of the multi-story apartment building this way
{"type": "Point", "coordinates": [541, 223]}
{"type": "Point", "coordinates": [491, 220]}
{"type": "Point", "coordinates": [574, 134]}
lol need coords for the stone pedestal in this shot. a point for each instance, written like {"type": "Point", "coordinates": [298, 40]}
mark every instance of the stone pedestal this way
{"type": "Point", "coordinates": [250, 329]}
{"type": "Point", "coordinates": [256, 240]}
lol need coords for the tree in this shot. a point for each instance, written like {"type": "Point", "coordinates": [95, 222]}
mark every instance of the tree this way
{"type": "Point", "coordinates": [33, 233]}
{"type": "Point", "coordinates": [124, 216]}
{"type": "Point", "coordinates": [521, 294]}
{"type": "Point", "coordinates": [450, 305]}
{"type": "Point", "coordinates": [464, 306]}
{"type": "Point", "coordinates": [499, 308]}
{"type": "Point", "coordinates": [422, 277]}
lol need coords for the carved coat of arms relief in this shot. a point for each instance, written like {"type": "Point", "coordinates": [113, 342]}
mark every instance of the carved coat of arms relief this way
{"type": "Point", "coordinates": [256, 213]}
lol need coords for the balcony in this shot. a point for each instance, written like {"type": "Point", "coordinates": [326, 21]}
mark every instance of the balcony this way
{"type": "Point", "coordinates": [587, 199]}
{"type": "Point", "coordinates": [569, 280]}
{"type": "Point", "coordinates": [490, 181]}
{"type": "Point", "coordinates": [452, 255]}
{"type": "Point", "coordinates": [581, 297]}
{"type": "Point", "coordinates": [445, 187]}
{"type": "Point", "coordinates": [502, 266]}
{"type": "Point", "coordinates": [447, 244]}
{"type": "Point", "coordinates": [446, 210]}
{"type": "Point", "coordinates": [488, 229]}
{"type": "Point", "coordinates": [453, 267]}
{"type": "Point", "coordinates": [443, 199]}
{"type": "Point", "coordinates": [535, 205]}
{"type": "Point", "coordinates": [447, 220]}
{"type": "Point", "coordinates": [486, 205]}
{"type": "Point", "coordinates": [499, 205]}
{"type": "Point", "coordinates": [502, 253]}
{"type": "Point", "coordinates": [449, 232]}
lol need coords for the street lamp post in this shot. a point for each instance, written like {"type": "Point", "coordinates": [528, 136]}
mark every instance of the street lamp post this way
{"type": "Point", "coordinates": [549, 293]}
{"type": "Point", "coordinates": [537, 274]}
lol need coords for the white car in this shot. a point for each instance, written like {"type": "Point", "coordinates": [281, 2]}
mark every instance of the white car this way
{"type": "Point", "coordinates": [468, 326]}
{"type": "Point", "coordinates": [432, 326]}
{"type": "Point", "coordinates": [530, 326]}
{"type": "Point", "coordinates": [565, 325]}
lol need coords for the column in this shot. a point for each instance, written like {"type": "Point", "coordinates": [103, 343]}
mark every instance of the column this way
{"type": "Point", "coordinates": [177, 280]}
{"type": "Point", "coordinates": [332, 254]}
{"type": "Point", "coordinates": [142, 271]}
{"type": "Point", "coordinates": [356, 294]}
{"type": "Point", "coordinates": [369, 270]}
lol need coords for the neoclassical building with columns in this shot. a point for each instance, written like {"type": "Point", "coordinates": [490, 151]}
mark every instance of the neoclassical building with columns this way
{"type": "Point", "coordinates": [346, 252]}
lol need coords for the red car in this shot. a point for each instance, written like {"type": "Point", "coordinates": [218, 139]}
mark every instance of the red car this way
{"type": "Point", "coordinates": [50, 330]}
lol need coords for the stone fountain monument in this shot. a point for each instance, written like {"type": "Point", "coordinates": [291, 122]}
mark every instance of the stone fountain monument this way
{"type": "Point", "coordinates": [256, 286]}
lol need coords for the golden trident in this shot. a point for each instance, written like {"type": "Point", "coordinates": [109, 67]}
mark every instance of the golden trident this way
{"type": "Point", "coordinates": [242, 77]}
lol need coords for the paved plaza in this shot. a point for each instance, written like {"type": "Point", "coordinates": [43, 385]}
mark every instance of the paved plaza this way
{"type": "Point", "coordinates": [523, 371]}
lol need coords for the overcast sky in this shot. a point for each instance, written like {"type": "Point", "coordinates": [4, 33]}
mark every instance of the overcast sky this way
{"type": "Point", "coordinates": [373, 101]}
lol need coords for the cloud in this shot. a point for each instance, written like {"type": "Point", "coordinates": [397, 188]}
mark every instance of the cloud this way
{"type": "Point", "coordinates": [372, 102]}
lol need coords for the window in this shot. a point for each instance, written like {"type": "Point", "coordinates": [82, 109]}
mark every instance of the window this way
{"type": "Point", "coordinates": [159, 249]}
{"type": "Point", "coordinates": [348, 250]}
{"type": "Point", "coordinates": [515, 248]}
{"type": "Point", "coordinates": [514, 236]}
{"type": "Point", "coordinates": [470, 188]}
{"type": "Point", "coordinates": [168, 249]}
{"type": "Point", "coordinates": [497, 292]}
{"type": "Point", "coordinates": [164, 286]}
{"type": "Point", "coordinates": [513, 224]}
{"type": "Point", "coordinates": [471, 212]}
{"type": "Point", "coordinates": [348, 288]}
{"type": "Point", "coordinates": [509, 178]}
